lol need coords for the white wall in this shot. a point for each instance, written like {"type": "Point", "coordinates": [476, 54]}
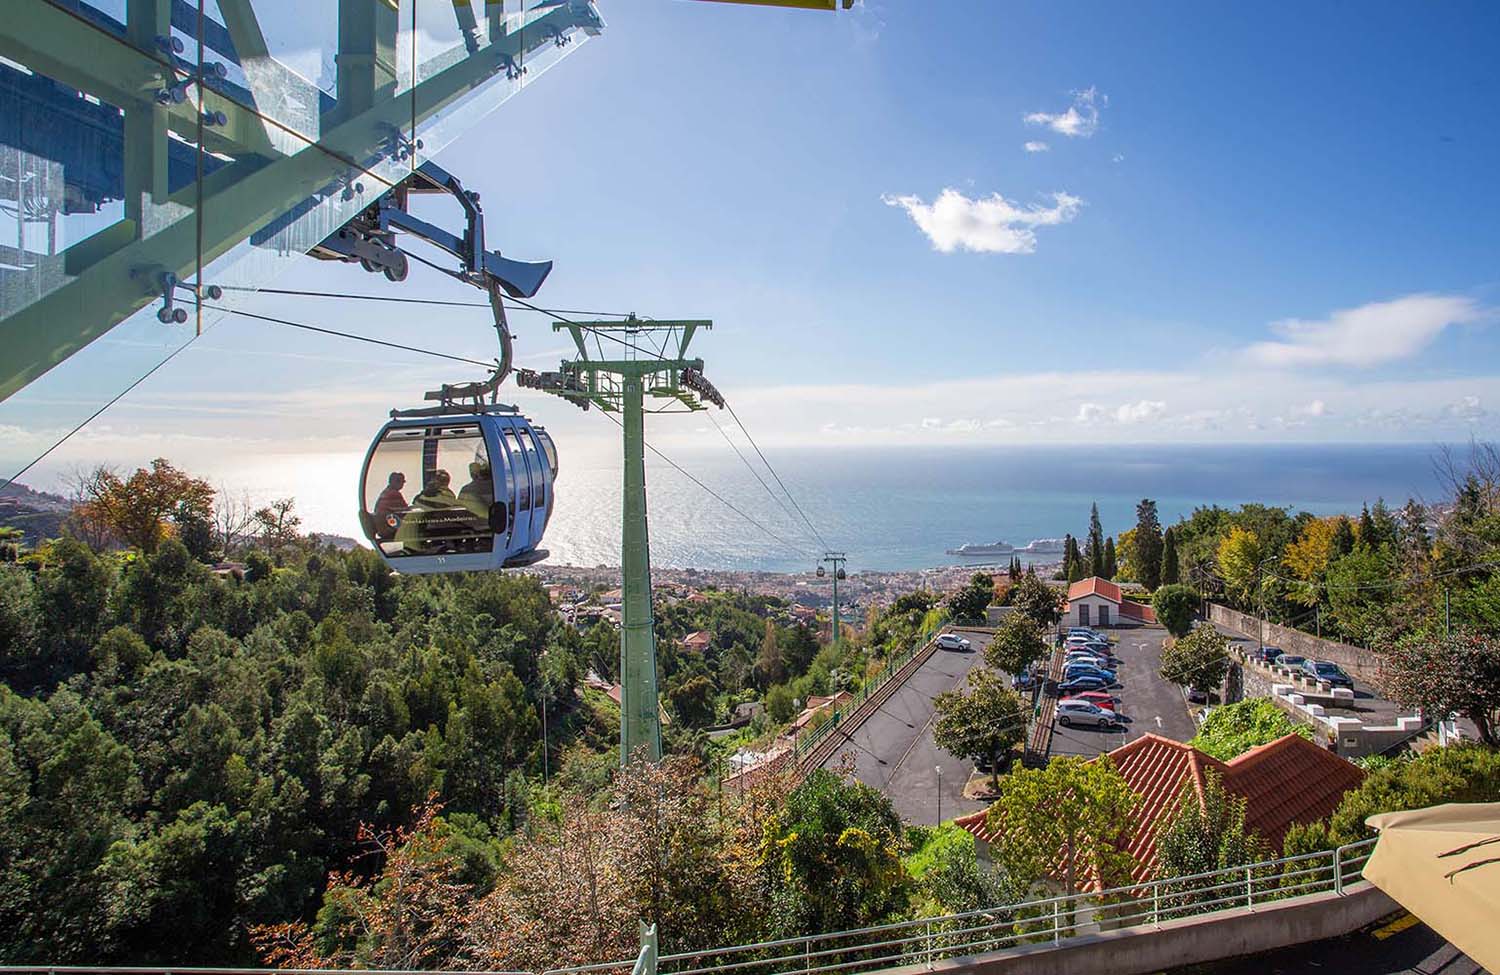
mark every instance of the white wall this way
{"type": "Point", "coordinates": [1093, 602]}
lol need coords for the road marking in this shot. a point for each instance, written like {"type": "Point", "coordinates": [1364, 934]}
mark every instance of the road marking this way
{"type": "Point", "coordinates": [1396, 927]}
{"type": "Point", "coordinates": [1158, 722]}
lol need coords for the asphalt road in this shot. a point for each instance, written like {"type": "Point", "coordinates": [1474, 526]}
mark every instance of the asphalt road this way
{"type": "Point", "coordinates": [893, 750]}
{"type": "Point", "coordinates": [1147, 703]}
{"type": "Point", "coordinates": [1399, 946]}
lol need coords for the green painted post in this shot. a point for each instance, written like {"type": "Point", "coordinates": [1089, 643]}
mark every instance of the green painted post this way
{"type": "Point", "coordinates": [620, 386]}
{"type": "Point", "coordinates": [640, 727]}
{"type": "Point", "coordinates": [835, 604]}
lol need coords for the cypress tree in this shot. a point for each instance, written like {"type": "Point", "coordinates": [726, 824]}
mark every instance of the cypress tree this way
{"type": "Point", "coordinates": [1343, 536]}
{"type": "Point", "coordinates": [1095, 550]}
{"type": "Point", "coordinates": [1367, 533]}
{"type": "Point", "coordinates": [1148, 544]}
{"type": "Point", "coordinates": [1170, 573]}
{"type": "Point", "coordinates": [1110, 565]}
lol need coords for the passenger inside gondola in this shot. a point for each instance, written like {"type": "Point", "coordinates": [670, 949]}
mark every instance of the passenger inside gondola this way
{"type": "Point", "coordinates": [437, 493]}
{"type": "Point", "coordinates": [479, 493]}
{"type": "Point", "coordinates": [389, 505]}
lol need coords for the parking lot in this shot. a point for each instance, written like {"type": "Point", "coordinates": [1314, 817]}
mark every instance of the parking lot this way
{"type": "Point", "coordinates": [893, 750]}
{"type": "Point", "coordinates": [1368, 705]}
{"type": "Point", "coordinates": [1147, 703]}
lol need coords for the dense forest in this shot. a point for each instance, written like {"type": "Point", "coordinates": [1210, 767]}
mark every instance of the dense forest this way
{"type": "Point", "coordinates": [188, 752]}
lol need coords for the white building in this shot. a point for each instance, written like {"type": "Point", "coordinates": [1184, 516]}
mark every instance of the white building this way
{"type": "Point", "coordinates": [1099, 602]}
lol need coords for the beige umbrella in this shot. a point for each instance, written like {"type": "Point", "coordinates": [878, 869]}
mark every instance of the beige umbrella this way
{"type": "Point", "coordinates": [1443, 865]}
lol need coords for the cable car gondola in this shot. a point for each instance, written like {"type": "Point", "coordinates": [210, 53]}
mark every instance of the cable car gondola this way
{"type": "Point", "coordinates": [453, 489]}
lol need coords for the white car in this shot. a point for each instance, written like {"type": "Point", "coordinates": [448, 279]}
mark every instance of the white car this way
{"type": "Point", "coordinates": [1071, 711]}
{"type": "Point", "coordinates": [1103, 663]}
{"type": "Point", "coordinates": [952, 641]}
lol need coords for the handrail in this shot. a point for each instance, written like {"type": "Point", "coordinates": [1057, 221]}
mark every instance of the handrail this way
{"type": "Point", "coordinates": [925, 940]}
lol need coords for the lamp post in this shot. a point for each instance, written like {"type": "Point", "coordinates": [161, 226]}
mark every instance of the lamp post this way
{"type": "Point", "coordinates": [1260, 592]}
{"type": "Point", "coordinates": [939, 770]}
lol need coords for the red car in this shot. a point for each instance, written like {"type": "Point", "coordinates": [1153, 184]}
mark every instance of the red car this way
{"type": "Point", "coordinates": [1099, 698]}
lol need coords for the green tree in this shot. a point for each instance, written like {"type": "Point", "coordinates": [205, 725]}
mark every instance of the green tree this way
{"type": "Point", "coordinates": [1125, 558]}
{"type": "Point", "coordinates": [831, 858]}
{"type": "Point", "coordinates": [692, 701]}
{"type": "Point", "coordinates": [1457, 672]}
{"type": "Point", "coordinates": [1360, 594]}
{"type": "Point", "coordinates": [780, 705]}
{"type": "Point", "coordinates": [1204, 833]}
{"type": "Point", "coordinates": [768, 666]}
{"type": "Point", "coordinates": [1017, 644]}
{"type": "Point", "coordinates": [969, 603]}
{"type": "Point", "coordinates": [1111, 564]}
{"type": "Point", "coordinates": [1171, 572]}
{"type": "Point", "coordinates": [1147, 544]}
{"type": "Point", "coordinates": [1175, 606]}
{"type": "Point", "coordinates": [1240, 555]}
{"type": "Point", "coordinates": [1199, 660]}
{"type": "Point", "coordinates": [1094, 551]}
{"type": "Point", "coordinates": [1458, 773]}
{"type": "Point", "coordinates": [984, 722]}
{"type": "Point", "coordinates": [1070, 820]}
{"type": "Point", "coordinates": [1234, 729]}
{"type": "Point", "coordinates": [141, 511]}
{"type": "Point", "coordinates": [1036, 600]}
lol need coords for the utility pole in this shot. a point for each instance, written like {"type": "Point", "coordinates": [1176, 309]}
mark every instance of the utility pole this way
{"type": "Point", "coordinates": [836, 559]}
{"type": "Point", "coordinates": [651, 361]}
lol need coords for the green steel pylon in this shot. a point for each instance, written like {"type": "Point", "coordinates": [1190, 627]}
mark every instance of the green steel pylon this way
{"type": "Point", "coordinates": [651, 361]}
{"type": "Point", "coordinates": [837, 559]}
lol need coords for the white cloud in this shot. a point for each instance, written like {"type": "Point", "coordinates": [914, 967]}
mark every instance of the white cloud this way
{"type": "Point", "coordinates": [1118, 157]}
{"type": "Point", "coordinates": [1139, 411]}
{"type": "Point", "coordinates": [1314, 408]}
{"type": "Point", "coordinates": [1035, 146]}
{"type": "Point", "coordinates": [1467, 409]}
{"type": "Point", "coordinates": [1370, 335]}
{"type": "Point", "coordinates": [1089, 413]}
{"type": "Point", "coordinates": [989, 225]}
{"type": "Point", "coordinates": [1081, 119]}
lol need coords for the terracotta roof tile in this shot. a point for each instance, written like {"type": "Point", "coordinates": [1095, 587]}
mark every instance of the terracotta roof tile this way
{"type": "Point", "coordinates": [1095, 586]}
{"type": "Point", "coordinates": [1291, 780]}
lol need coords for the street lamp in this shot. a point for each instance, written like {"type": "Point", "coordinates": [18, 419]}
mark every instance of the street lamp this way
{"type": "Point", "coordinates": [939, 770]}
{"type": "Point", "coordinates": [1260, 592]}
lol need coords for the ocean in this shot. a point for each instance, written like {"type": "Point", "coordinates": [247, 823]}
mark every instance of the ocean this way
{"type": "Point", "coordinates": [903, 508]}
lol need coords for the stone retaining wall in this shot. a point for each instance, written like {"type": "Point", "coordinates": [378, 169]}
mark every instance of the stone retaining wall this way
{"type": "Point", "coordinates": [1356, 660]}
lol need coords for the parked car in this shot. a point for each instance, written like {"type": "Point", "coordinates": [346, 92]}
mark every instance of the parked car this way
{"type": "Point", "coordinates": [1023, 682]}
{"type": "Point", "coordinates": [1086, 682]}
{"type": "Point", "coordinates": [1102, 698]}
{"type": "Point", "coordinates": [1072, 665]}
{"type": "Point", "coordinates": [1071, 712]}
{"type": "Point", "coordinates": [1083, 670]}
{"type": "Point", "coordinates": [1090, 660]}
{"type": "Point", "coordinates": [1086, 631]}
{"type": "Point", "coordinates": [1107, 704]}
{"type": "Point", "coordinates": [1328, 672]}
{"type": "Point", "coordinates": [952, 641]}
{"type": "Point", "coordinates": [1266, 655]}
{"type": "Point", "coordinates": [1290, 661]}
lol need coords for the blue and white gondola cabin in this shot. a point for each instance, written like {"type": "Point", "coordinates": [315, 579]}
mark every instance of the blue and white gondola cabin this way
{"type": "Point", "coordinates": [458, 492]}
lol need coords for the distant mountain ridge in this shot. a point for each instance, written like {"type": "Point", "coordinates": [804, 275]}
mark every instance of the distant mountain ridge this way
{"type": "Point", "coordinates": [38, 514]}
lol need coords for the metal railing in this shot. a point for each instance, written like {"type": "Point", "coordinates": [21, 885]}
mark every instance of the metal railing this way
{"type": "Point", "coordinates": [1051, 920]}
{"type": "Point", "coordinates": [807, 740]}
{"type": "Point", "coordinates": [924, 941]}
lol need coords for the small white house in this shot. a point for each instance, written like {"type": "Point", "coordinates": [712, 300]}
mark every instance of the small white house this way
{"type": "Point", "coordinates": [1099, 602]}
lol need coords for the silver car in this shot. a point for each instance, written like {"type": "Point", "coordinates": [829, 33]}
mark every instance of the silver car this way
{"type": "Point", "coordinates": [1085, 714]}
{"type": "Point", "coordinates": [952, 641]}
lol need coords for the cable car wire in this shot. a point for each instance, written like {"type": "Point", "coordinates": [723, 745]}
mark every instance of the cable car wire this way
{"type": "Point", "coordinates": [95, 415]}
{"type": "Point", "coordinates": [751, 467]}
{"type": "Point", "coordinates": [416, 301]}
{"type": "Point", "coordinates": [359, 338]}
{"type": "Point", "coordinates": [763, 460]}
{"type": "Point", "coordinates": [716, 495]}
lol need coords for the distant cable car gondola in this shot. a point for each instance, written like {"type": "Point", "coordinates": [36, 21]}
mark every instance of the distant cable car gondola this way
{"type": "Point", "coordinates": [453, 489]}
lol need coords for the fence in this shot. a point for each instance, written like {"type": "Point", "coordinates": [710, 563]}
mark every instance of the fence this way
{"type": "Point", "coordinates": [1052, 920]}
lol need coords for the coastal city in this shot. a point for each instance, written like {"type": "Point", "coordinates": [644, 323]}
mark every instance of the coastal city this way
{"type": "Point", "coordinates": [749, 487]}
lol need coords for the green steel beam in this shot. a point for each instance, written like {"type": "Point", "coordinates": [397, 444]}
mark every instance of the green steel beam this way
{"type": "Point", "coordinates": [640, 722]}
{"type": "Point", "coordinates": [235, 203]}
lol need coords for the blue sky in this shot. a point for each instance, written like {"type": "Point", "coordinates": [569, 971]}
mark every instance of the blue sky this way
{"type": "Point", "coordinates": [1255, 223]}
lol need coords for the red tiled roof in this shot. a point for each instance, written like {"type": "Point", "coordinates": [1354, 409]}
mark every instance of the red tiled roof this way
{"type": "Point", "coordinates": [1291, 780]}
{"type": "Point", "coordinates": [698, 639]}
{"type": "Point", "coordinates": [1130, 609]}
{"type": "Point", "coordinates": [1095, 586]}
